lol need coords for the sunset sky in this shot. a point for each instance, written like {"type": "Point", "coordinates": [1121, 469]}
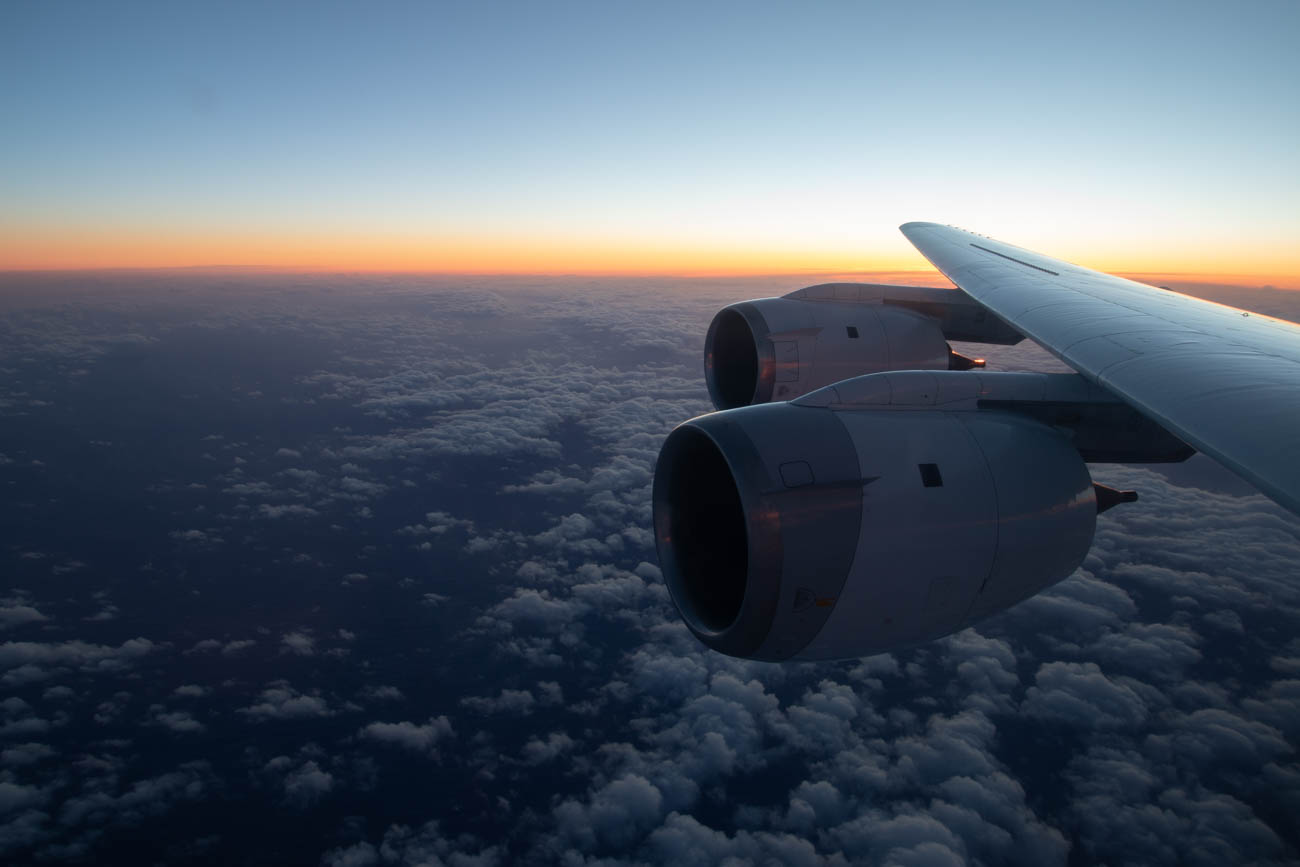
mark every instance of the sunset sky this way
{"type": "Point", "coordinates": [341, 343]}
{"type": "Point", "coordinates": [648, 138]}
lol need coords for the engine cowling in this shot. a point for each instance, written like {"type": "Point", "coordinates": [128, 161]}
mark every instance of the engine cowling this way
{"type": "Point", "coordinates": [790, 531]}
{"type": "Point", "coordinates": [781, 348]}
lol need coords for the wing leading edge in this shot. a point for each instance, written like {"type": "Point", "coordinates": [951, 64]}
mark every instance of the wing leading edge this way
{"type": "Point", "coordinates": [1223, 380]}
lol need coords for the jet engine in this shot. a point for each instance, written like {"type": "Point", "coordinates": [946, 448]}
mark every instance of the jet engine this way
{"type": "Point", "coordinates": [780, 348]}
{"type": "Point", "coordinates": [883, 511]}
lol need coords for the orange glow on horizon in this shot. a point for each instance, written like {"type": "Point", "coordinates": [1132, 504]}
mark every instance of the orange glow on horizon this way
{"type": "Point", "coordinates": [96, 249]}
{"type": "Point", "coordinates": [46, 249]}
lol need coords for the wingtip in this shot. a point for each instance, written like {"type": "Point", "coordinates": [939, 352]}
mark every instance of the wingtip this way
{"type": "Point", "coordinates": [917, 224]}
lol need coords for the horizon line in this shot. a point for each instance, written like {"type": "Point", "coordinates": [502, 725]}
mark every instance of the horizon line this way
{"type": "Point", "coordinates": [1239, 280]}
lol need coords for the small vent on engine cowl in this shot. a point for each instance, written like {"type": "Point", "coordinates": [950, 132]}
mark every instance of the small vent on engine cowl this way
{"type": "Point", "coordinates": [930, 476]}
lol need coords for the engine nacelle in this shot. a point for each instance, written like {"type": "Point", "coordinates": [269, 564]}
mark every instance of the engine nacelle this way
{"type": "Point", "coordinates": [781, 348]}
{"type": "Point", "coordinates": [826, 530]}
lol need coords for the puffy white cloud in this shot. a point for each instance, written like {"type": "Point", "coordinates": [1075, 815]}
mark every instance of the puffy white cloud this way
{"type": "Point", "coordinates": [909, 837]}
{"type": "Point", "coordinates": [1228, 621]}
{"type": "Point", "coordinates": [26, 726]}
{"type": "Point", "coordinates": [684, 840]}
{"type": "Point", "coordinates": [226, 648]}
{"type": "Point", "coordinates": [510, 701]}
{"type": "Point", "coordinates": [144, 798]}
{"type": "Point", "coordinates": [538, 750]}
{"type": "Point", "coordinates": [822, 722]}
{"type": "Point", "coordinates": [425, 846]}
{"type": "Point", "coordinates": [616, 593]}
{"type": "Point", "coordinates": [615, 815]}
{"type": "Point", "coordinates": [815, 804]}
{"type": "Point", "coordinates": [1079, 694]}
{"type": "Point", "coordinates": [986, 668]}
{"type": "Point", "coordinates": [27, 661]}
{"type": "Point", "coordinates": [299, 643]}
{"type": "Point", "coordinates": [180, 721]}
{"type": "Point", "coordinates": [1125, 812]}
{"type": "Point", "coordinates": [549, 692]}
{"type": "Point", "coordinates": [668, 677]}
{"type": "Point", "coordinates": [1214, 736]}
{"type": "Point", "coordinates": [280, 701]}
{"type": "Point", "coordinates": [196, 537]}
{"type": "Point", "coordinates": [957, 745]}
{"type": "Point", "coordinates": [361, 854]}
{"type": "Point", "coordinates": [535, 607]}
{"type": "Point", "coordinates": [20, 755]}
{"type": "Point", "coordinates": [307, 784]}
{"type": "Point", "coordinates": [1078, 609]}
{"type": "Point", "coordinates": [409, 736]}
{"type": "Point", "coordinates": [290, 510]}
{"type": "Point", "coordinates": [15, 797]}
{"type": "Point", "coordinates": [361, 488]}
{"type": "Point", "coordinates": [1158, 651]}
{"type": "Point", "coordinates": [16, 612]}
{"type": "Point", "coordinates": [382, 693]}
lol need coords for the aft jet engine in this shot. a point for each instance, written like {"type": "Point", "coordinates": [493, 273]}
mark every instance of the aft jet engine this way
{"type": "Point", "coordinates": [780, 348]}
{"type": "Point", "coordinates": [885, 510]}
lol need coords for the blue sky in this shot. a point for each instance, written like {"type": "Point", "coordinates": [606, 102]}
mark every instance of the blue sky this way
{"type": "Point", "coordinates": [1106, 130]}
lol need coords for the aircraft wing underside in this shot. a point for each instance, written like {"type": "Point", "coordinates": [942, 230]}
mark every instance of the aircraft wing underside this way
{"type": "Point", "coordinates": [1223, 380]}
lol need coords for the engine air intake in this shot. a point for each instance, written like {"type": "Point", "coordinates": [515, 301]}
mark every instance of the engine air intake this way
{"type": "Point", "coordinates": [709, 549]}
{"type": "Point", "coordinates": [731, 360]}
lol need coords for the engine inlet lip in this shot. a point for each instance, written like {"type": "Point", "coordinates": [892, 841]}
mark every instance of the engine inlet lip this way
{"type": "Point", "coordinates": [741, 627]}
{"type": "Point", "coordinates": [739, 330]}
{"type": "Point", "coordinates": [705, 542]}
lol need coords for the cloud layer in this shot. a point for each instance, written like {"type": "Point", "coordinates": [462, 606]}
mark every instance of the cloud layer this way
{"type": "Point", "coordinates": [395, 578]}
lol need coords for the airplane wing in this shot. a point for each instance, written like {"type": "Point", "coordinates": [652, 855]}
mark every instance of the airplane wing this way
{"type": "Point", "coordinates": [1223, 380]}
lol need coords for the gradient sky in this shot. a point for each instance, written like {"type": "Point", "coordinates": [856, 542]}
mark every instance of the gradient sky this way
{"type": "Point", "coordinates": [621, 137]}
